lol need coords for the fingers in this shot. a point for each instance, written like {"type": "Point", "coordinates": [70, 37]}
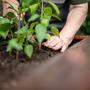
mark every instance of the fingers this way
{"type": "Point", "coordinates": [57, 43]}
{"type": "Point", "coordinates": [57, 46]}
{"type": "Point", "coordinates": [54, 43]}
{"type": "Point", "coordinates": [64, 48]}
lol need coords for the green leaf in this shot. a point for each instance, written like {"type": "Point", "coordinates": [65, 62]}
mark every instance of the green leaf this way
{"type": "Point", "coordinates": [33, 8]}
{"type": "Point", "coordinates": [22, 34]}
{"type": "Point", "coordinates": [57, 17]}
{"type": "Point", "coordinates": [29, 2]}
{"type": "Point", "coordinates": [48, 36]}
{"type": "Point", "coordinates": [55, 31]}
{"type": "Point", "coordinates": [13, 44]}
{"type": "Point", "coordinates": [47, 13]}
{"type": "Point", "coordinates": [21, 39]}
{"type": "Point", "coordinates": [24, 10]}
{"type": "Point", "coordinates": [54, 6]}
{"type": "Point", "coordinates": [12, 17]}
{"type": "Point", "coordinates": [33, 24]}
{"type": "Point", "coordinates": [4, 27]}
{"type": "Point", "coordinates": [33, 17]}
{"type": "Point", "coordinates": [28, 49]}
{"type": "Point", "coordinates": [23, 30]}
{"type": "Point", "coordinates": [26, 4]}
{"type": "Point", "coordinates": [41, 32]}
{"type": "Point", "coordinates": [45, 22]}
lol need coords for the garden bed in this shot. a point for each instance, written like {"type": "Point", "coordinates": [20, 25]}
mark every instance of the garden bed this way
{"type": "Point", "coordinates": [20, 34]}
{"type": "Point", "coordinates": [10, 67]}
{"type": "Point", "coordinates": [10, 70]}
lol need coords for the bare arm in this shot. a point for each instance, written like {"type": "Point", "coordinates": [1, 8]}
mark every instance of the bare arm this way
{"type": "Point", "coordinates": [76, 17]}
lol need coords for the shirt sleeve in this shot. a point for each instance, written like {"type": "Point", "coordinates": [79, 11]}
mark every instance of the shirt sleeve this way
{"type": "Point", "coordinates": [74, 2]}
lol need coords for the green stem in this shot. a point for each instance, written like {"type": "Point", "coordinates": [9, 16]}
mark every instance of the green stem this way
{"type": "Point", "coordinates": [42, 9]}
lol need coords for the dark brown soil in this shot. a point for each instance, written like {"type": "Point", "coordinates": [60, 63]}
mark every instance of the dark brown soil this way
{"type": "Point", "coordinates": [10, 68]}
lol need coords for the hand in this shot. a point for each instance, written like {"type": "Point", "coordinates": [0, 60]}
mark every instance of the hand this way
{"type": "Point", "coordinates": [6, 6]}
{"type": "Point", "coordinates": [57, 43]}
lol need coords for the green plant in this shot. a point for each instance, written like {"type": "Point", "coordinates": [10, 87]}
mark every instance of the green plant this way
{"type": "Point", "coordinates": [86, 25]}
{"type": "Point", "coordinates": [29, 32]}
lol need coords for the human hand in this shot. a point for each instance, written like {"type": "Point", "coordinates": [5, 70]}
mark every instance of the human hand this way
{"type": "Point", "coordinates": [6, 6]}
{"type": "Point", "coordinates": [58, 42]}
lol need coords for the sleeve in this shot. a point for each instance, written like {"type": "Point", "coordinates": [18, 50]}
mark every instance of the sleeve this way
{"type": "Point", "coordinates": [74, 2]}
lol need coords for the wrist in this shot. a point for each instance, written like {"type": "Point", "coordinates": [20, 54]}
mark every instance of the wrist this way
{"type": "Point", "coordinates": [66, 36]}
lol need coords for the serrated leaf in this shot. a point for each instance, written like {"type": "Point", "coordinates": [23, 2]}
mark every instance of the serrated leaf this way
{"type": "Point", "coordinates": [13, 44]}
{"type": "Point", "coordinates": [23, 30]}
{"type": "Point", "coordinates": [47, 14]}
{"type": "Point", "coordinates": [45, 22]}
{"type": "Point", "coordinates": [41, 32]}
{"type": "Point", "coordinates": [33, 8]}
{"type": "Point", "coordinates": [4, 27]}
{"type": "Point", "coordinates": [28, 49]}
{"type": "Point", "coordinates": [33, 17]}
{"type": "Point", "coordinates": [54, 6]}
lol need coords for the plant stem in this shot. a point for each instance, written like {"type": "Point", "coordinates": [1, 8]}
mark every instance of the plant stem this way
{"type": "Point", "coordinates": [17, 55]}
{"type": "Point", "coordinates": [40, 47]}
{"type": "Point", "coordinates": [42, 9]}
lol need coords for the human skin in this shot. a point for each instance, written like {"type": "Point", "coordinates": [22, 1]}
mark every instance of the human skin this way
{"type": "Point", "coordinates": [75, 19]}
{"type": "Point", "coordinates": [6, 8]}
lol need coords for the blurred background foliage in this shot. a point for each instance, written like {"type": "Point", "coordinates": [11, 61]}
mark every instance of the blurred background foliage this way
{"type": "Point", "coordinates": [85, 28]}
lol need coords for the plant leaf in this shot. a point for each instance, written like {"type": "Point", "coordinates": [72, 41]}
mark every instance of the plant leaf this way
{"type": "Point", "coordinates": [47, 14]}
{"type": "Point", "coordinates": [41, 32]}
{"type": "Point", "coordinates": [33, 17]}
{"type": "Point", "coordinates": [23, 30]}
{"type": "Point", "coordinates": [33, 8]}
{"type": "Point", "coordinates": [28, 49]}
{"type": "Point", "coordinates": [55, 31]}
{"type": "Point", "coordinates": [54, 6]}
{"type": "Point", "coordinates": [4, 27]}
{"type": "Point", "coordinates": [13, 44]}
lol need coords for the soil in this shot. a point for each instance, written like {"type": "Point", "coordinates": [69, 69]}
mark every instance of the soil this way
{"type": "Point", "coordinates": [10, 67]}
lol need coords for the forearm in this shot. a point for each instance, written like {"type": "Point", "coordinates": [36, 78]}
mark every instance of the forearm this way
{"type": "Point", "coordinates": [76, 17]}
